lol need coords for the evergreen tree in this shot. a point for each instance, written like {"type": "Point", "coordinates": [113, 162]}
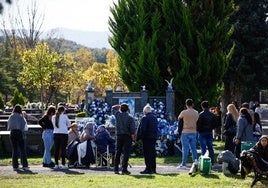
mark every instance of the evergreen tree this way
{"type": "Point", "coordinates": [18, 98]}
{"type": "Point", "coordinates": [248, 69]}
{"type": "Point", "coordinates": [2, 102]}
{"type": "Point", "coordinates": [164, 39]}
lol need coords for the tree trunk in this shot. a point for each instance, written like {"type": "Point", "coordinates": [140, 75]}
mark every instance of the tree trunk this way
{"type": "Point", "coordinates": [232, 92]}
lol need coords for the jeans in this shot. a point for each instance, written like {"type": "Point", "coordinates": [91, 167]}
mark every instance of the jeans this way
{"type": "Point", "coordinates": [206, 141]}
{"type": "Point", "coordinates": [18, 146]}
{"type": "Point", "coordinates": [48, 140]}
{"type": "Point", "coordinates": [188, 140]}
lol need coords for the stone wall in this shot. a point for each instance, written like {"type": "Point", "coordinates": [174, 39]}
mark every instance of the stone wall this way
{"type": "Point", "coordinates": [140, 99]}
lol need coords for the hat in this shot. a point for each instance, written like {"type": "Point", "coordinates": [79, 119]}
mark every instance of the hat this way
{"type": "Point", "coordinates": [72, 125]}
{"type": "Point", "coordinates": [263, 136]}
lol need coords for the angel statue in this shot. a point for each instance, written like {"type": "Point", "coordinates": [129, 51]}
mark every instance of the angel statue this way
{"type": "Point", "coordinates": [169, 88]}
{"type": "Point", "coordinates": [143, 87]}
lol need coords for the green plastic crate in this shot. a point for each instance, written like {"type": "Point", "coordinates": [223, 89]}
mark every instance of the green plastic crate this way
{"type": "Point", "coordinates": [204, 164]}
{"type": "Point", "coordinates": [247, 145]}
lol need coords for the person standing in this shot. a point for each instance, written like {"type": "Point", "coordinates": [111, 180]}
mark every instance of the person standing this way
{"type": "Point", "coordinates": [125, 134]}
{"type": "Point", "coordinates": [230, 127]}
{"type": "Point", "coordinates": [257, 127]}
{"type": "Point", "coordinates": [16, 125]}
{"type": "Point", "coordinates": [259, 109]}
{"type": "Point", "coordinates": [61, 123]}
{"type": "Point", "coordinates": [47, 136]}
{"type": "Point", "coordinates": [188, 135]}
{"type": "Point", "coordinates": [244, 130]}
{"type": "Point", "coordinates": [82, 105]}
{"type": "Point", "coordinates": [148, 134]}
{"type": "Point", "coordinates": [218, 113]}
{"type": "Point", "coordinates": [205, 125]}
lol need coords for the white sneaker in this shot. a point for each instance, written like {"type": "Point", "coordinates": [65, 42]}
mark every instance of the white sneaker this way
{"type": "Point", "coordinates": [182, 167]}
{"type": "Point", "coordinates": [56, 167]}
{"type": "Point", "coordinates": [63, 167]}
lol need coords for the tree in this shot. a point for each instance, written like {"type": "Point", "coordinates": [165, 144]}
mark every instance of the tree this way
{"type": "Point", "coordinates": [39, 67]}
{"type": "Point", "coordinates": [10, 66]}
{"type": "Point", "coordinates": [2, 102]}
{"type": "Point", "coordinates": [27, 33]}
{"type": "Point", "coordinates": [20, 36]}
{"type": "Point", "coordinates": [104, 75]}
{"type": "Point", "coordinates": [247, 72]}
{"type": "Point", "coordinates": [184, 40]}
{"type": "Point", "coordinates": [18, 98]}
{"type": "Point", "coordinates": [5, 78]}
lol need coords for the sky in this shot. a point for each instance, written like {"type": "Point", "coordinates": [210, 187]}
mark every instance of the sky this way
{"type": "Point", "coordinates": [86, 15]}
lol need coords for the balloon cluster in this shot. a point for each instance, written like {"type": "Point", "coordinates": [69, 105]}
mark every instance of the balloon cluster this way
{"type": "Point", "coordinates": [159, 108]}
{"type": "Point", "coordinates": [99, 110]}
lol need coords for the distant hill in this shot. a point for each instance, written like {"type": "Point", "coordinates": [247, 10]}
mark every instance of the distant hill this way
{"type": "Point", "coordinates": [91, 39]}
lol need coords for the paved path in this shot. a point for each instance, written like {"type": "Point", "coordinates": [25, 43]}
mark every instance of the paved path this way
{"type": "Point", "coordinates": [135, 170]}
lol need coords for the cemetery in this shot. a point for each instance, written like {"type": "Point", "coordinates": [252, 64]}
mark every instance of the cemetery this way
{"type": "Point", "coordinates": [98, 110]}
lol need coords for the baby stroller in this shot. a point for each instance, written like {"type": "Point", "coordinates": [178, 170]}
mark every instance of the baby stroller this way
{"type": "Point", "coordinates": [80, 155]}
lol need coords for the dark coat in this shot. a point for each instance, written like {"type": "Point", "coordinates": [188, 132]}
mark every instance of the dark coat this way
{"type": "Point", "coordinates": [148, 126]}
{"type": "Point", "coordinates": [103, 139]}
{"type": "Point", "coordinates": [228, 124]}
{"type": "Point", "coordinates": [206, 121]}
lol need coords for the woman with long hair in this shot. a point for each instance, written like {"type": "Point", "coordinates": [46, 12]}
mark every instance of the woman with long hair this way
{"type": "Point", "coordinates": [230, 127]}
{"type": "Point", "coordinates": [61, 123]}
{"type": "Point", "coordinates": [257, 127]}
{"type": "Point", "coordinates": [16, 125]}
{"type": "Point", "coordinates": [244, 130]}
{"type": "Point", "coordinates": [47, 136]}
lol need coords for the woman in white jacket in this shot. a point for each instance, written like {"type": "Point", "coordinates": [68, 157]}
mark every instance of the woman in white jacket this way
{"type": "Point", "coordinates": [61, 123]}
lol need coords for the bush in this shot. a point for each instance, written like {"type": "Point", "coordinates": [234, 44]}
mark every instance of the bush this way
{"type": "Point", "coordinates": [18, 98]}
{"type": "Point", "coordinates": [81, 114]}
{"type": "Point", "coordinates": [2, 102]}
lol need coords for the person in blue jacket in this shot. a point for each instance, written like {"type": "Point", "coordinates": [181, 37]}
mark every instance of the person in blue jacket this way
{"type": "Point", "coordinates": [244, 130]}
{"type": "Point", "coordinates": [104, 139]}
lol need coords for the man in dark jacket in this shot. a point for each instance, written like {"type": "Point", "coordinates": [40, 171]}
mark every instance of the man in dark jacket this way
{"type": "Point", "coordinates": [125, 134]}
{"type": "Point", "coordinates": [205, 124]}
{"type": "Point", "coordinates": [148, 134]}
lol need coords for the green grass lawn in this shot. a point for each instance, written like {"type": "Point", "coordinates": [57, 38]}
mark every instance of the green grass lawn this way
{"type": "Point", "coordinates": [133, 181]}
{"type": "Point", "coordinates": [214, 179]}
{"type": "Point", "coordinates": [37, 160]}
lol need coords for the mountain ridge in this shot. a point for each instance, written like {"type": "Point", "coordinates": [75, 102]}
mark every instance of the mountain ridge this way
{"type": "Point", "coordinates": [91, 39]}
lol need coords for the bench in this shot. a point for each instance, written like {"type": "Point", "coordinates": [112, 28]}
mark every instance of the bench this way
{"type": "Point", "coordinates": [251, 161]}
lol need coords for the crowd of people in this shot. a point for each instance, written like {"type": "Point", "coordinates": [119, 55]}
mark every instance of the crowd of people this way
{"type": "Point", "coordinates": [239, 125]}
